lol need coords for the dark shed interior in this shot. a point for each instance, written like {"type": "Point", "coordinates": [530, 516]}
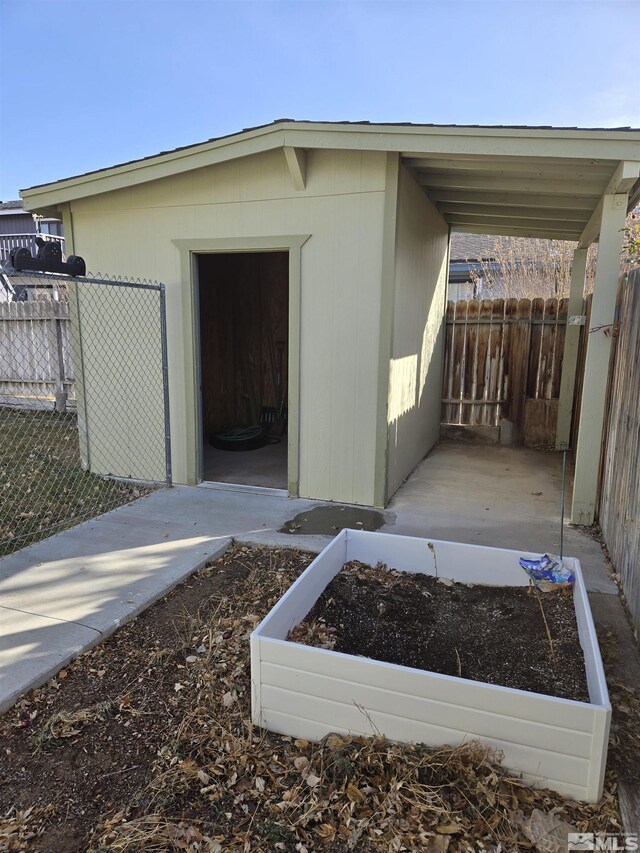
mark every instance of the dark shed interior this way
{"type": "Point", "coordinates": [244, 353]}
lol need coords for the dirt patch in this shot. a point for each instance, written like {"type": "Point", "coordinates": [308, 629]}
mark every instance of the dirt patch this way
{"type": "Point", "coordinates": [145, 744]}
{"type": "Point", "coordinates": [499, 635]}
{"type": "Point", "coordinates": [624, 737]}
{"type": "Point", "coordinates": [63, 752]}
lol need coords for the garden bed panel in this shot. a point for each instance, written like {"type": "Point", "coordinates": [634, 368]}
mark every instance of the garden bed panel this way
{"type": "Point", "coordinates": [308, 692]}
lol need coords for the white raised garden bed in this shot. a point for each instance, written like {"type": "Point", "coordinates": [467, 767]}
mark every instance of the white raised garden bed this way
{"type": "Point", "coordinates": [308, 692]}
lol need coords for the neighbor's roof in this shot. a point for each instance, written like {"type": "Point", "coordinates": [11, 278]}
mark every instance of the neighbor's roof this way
{"type": "Point", "coordinates": [530, 181]}
{"type": "Point", "coordinates": [471, 247]}
{"type": "Point", "coordinates": [16, 208]}
{"type": "Point", "coordinates": [482, 247]}
{"type": "Point", "coordinates": [9, 208]}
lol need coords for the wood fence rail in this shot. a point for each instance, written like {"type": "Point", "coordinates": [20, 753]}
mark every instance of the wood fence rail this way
{"type": "Point", "coordinates": [35, 353]}
{"type": "Point", "coordinates": [503, 361]}
{"type": "Point", "coordinates": [619, 513]}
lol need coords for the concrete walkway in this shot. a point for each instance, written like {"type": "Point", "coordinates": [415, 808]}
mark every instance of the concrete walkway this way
{"type": "Point", "coordinates": [64, 594]}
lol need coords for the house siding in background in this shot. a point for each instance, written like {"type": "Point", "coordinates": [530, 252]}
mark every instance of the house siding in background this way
{"type": "Point", "coordinates": [15, 220]}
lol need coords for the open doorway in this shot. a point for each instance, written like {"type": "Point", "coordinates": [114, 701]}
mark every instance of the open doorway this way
{"type": "Point", "coordinates": [244, 354]}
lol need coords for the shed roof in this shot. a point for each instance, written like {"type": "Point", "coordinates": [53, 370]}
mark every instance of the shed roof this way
{"type": "Point", "coordinates": [487, 179]}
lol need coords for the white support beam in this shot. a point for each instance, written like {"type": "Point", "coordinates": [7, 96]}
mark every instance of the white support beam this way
{"type": "Point", "coordinates": [489, 211]}
{"type": "Point", "coordinates": [624, 177]}
{"type": "Point", "coordinates": [570, 354]}
{"type": "Point", "coordinates": [525, 169]}
{"type": "Point", "coordinates": [412, 159]}
{"type": "Point", "coordinates": [592, 228]}
{"type": "Point", "coordinates": [297, 162]}
{"type": "Point", "coordinates": [568, 202]}
{"type": "Point", "coordinates": [622, 181]}
{"type": "Point", "coordinates": [549, 225]}
{"type": "Point", "coordinates": [498, 183]}
{"type": "Point", "coordinates": [596, 370]}
{"type": "Point", "coordinates": [481, 227]}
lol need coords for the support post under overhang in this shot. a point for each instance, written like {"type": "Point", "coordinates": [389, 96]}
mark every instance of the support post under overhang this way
{"type": "Point", "coordinates": [77, 342]}
{"type": "Point", "coordinates": [570, 355]}
{"type": "Point", "coordinates": [596, 370]}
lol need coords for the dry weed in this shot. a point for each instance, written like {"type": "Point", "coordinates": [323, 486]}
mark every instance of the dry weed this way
{"type": "Point", "coordinates": [66, 724]}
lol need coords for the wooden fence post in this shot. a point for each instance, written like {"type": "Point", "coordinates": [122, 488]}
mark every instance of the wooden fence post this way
{"type": "Point", "coordinates": [60, 392]}
{"type": "Point", "coordinates": [570, 354]}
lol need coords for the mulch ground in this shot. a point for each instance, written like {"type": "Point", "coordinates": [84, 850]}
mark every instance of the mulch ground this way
{"type": "Point", "coordinates": [145, 744]}
{"type": "Point", "coordinates": [511, 636]}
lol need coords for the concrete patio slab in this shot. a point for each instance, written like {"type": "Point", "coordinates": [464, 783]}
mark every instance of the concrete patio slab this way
{"type": "Point", "coordinates": [505, 497]}
{"type": "Point", "coordinates": [222, 512]}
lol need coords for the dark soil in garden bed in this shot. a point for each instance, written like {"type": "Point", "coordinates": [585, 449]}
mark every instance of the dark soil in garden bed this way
{"type": "Point", "coordinates": [496, 635]}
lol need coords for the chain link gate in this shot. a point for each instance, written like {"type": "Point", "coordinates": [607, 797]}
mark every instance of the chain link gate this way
{"type": "Point", "coordinates": [84, 400]}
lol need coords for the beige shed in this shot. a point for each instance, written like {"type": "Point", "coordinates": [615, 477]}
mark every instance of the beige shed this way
{"type": "Point", "coordinates": [306, 274]}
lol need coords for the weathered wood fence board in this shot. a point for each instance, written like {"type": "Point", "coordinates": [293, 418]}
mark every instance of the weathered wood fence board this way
{"type": "Point", "coordinates": [503, 360]}
{"type": "Point", "coordinates": [35, 352]}
{"type": "Point", "coordinates": [620, 485]}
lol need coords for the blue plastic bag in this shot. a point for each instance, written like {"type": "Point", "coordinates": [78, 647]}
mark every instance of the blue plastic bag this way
{"type": "Point", "coordinates": [548, 572]}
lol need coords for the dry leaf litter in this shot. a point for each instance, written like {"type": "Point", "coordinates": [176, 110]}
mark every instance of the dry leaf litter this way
{"type": "Point", "coordinates": [210, 781]}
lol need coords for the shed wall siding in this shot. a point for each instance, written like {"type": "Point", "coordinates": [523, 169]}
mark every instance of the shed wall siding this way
{"type": "Point", "coordinates": [415, 373]}
{"type": "Point", "coordinates": [130, 232]}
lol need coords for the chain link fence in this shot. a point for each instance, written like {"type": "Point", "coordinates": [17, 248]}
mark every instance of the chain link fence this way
{"type": "Point", "coordinates": [84, 403]}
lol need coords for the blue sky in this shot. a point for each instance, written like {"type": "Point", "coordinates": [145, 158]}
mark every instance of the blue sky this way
{"type": "Point", "coordinates": [91, 83]}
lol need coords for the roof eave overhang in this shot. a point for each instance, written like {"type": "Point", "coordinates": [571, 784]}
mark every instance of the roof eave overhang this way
{"type": "Point", "coordinates": [407, 140]}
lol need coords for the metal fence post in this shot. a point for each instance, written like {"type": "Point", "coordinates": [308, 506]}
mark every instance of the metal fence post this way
{"type": "Point", "coordinates": [165, 383]}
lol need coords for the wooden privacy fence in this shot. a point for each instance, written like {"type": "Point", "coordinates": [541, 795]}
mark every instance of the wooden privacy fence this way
{"type": "Point", "coordinates": [620, 482]}
{"type": "Point", "coordinates": [503, 362]}
{"type": "Point", "coordinates": [35, 353]}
